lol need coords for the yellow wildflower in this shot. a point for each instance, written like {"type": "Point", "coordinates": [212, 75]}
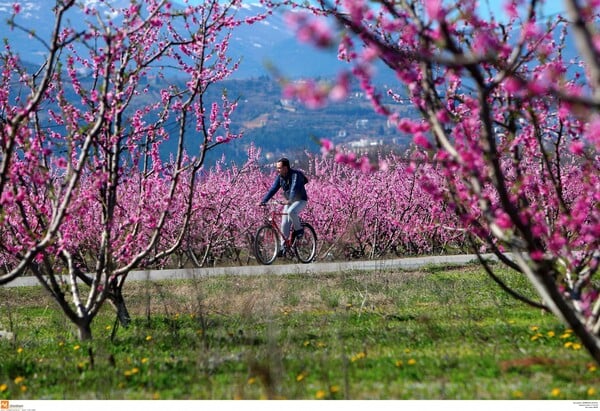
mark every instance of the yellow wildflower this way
{"type": "Point", "coordinates": [591, 392]}
{"type": "Point", "coordinates": [3, 387]}
{"type": "Point", "coordinates": [19, 380]}
{"type": "Point", "coordinates": [412, 361]}
{"type": "Point", "coordinates": [399, 363]}
{"type": "Point", "coordinates": [320, 394]}
{"type": "Point", "coordinates": [334, 388]}
{"type": "Point", "coordinates": [19, 350]}
{"type": "Point", "coordinates": [358, 356]}
{"type": "Point", "coordinates": [148, 338]}
{"type": "Point", "coordinates": [77, 347]}
{"type": "Point", "coordinates": [555, 392]}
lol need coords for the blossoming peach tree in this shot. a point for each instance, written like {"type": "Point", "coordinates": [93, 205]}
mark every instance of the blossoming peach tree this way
{"type": "Point", "coordinates": [509, 107]}
{"type": "Point", "coordinates": [84, 194]}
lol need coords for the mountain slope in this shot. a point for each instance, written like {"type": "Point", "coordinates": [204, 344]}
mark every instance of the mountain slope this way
{"type": "Point", "coordinates": [268, 42]}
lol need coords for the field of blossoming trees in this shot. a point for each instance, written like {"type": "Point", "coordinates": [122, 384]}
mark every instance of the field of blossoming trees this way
{"type": "Point", "coordinates": [357, 216]}
{"type": "Point", "coordinates": [505, 154]}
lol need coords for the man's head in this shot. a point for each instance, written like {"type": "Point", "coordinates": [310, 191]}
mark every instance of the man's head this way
{"type": "Point", "coordinates": [283, 166]}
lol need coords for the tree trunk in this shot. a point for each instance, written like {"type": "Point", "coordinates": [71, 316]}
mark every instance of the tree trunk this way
{"type": "Point", "coordinates": [118, 302]}
{"type": "Point", "coordinates": [85, 330]}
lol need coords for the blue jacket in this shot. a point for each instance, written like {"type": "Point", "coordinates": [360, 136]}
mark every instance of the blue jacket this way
{"type": "Point", "coordinates": [293, 187]}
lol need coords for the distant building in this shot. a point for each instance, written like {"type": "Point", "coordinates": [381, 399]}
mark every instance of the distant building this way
{"type": "Point", "coordinates": [362, 123]}
{"type": "Point", "coordinates": [287, 105]}
{"type": "Point", "coordinates": [364, 143]}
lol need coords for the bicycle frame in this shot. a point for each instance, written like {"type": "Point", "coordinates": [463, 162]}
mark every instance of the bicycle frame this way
{"type": "Point", "coordinates": [304, 250]}
{"type": "Point", "coordinates": [272, 219]}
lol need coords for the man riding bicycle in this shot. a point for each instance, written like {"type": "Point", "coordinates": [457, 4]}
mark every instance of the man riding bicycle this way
{"type": "Point", "coordinates": [292, 182]}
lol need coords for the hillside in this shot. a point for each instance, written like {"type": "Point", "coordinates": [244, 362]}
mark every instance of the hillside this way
{"type": "Point", "coordinates": [283, 127]}
{"type": "Point", "coordinates": [277, 127]}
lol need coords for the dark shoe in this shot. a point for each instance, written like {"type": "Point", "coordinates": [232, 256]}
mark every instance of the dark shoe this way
{"type": "Point", "coordinates": [299, 233]}
{"type": "Point", "coordinates": [280, 252]}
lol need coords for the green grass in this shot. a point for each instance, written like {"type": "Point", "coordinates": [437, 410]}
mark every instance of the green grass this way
{"type": "Point", "coordinates": [432, 334]}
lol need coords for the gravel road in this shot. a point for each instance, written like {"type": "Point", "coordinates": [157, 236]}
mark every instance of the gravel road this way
{"type": "Point", "coordinates": [283, 269]}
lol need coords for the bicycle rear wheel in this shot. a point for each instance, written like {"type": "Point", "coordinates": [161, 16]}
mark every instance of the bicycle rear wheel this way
{"type": "Point", "coordinates": [306, 246]}
{"type": "Point", "coordinates": [266, 244]}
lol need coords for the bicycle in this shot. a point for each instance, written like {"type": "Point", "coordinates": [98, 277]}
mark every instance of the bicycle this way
{"type": "Point", "coordinates": [267, 241]}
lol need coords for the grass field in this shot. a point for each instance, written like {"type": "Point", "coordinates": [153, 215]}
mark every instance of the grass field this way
{"type": "Point", "coordinates": [437, 333]}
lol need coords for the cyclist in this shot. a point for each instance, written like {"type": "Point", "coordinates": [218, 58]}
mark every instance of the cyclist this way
{"type": "Point", "coordinates": [292, 182]}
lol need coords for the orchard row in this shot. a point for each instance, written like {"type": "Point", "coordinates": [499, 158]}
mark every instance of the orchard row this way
{"type": "Point", "coordinates": [387, 212]}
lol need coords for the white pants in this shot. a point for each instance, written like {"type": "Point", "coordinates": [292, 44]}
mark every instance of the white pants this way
{"type": "Point", "coordinates": [291, 216]}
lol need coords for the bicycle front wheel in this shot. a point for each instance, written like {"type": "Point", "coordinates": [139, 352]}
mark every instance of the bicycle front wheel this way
{"type": "Point", "coordinates": [266, 244]}
{"type": "Point", "coordinates": [306, 246]}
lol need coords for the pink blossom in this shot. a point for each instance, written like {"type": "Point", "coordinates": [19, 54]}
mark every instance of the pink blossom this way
{"type": "Point", "coordinates": [593, 132]}
{"type": "Point", "coordinates": [510, 7]}
{"type": "Point", "coordinates": [370, 53]}
{"type": "Point", "coordinates": [341, 89]}
{"type": "Point", "coordinates": [408, 126]}
{"type": "Point", "coordinates": [309, 29]}
{"type": "Point", "coordinates": [484, 43]}
{"type": "Point", "coordinates": [513, 85]}
{"type": "Point", "coordinates": [576, 147]}
{"type": "Point", "coordinates": [435, 9]}
{"type": "Point", "coordinates": [531, 30]}
{"type": "Point", "coordinates": [326, 146]}
{"type": "Point", "coordinates": [421, 140]}
{"type": "Point", "coordinates": [61, 162]}
{"type": "Point", "coordinates": [442, 116]}
{"type": "Point", "coordinates": [537, 255]}
{"type": "Point", "coordinates": [503, 220]}
{"type": "Point", "coordinates": [356, 9]}
{"type": "Point", "coordinates": [539, 86]}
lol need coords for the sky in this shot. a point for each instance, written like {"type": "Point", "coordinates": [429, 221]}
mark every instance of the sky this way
{"type": "Point", "coordinates": [551, 7]}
